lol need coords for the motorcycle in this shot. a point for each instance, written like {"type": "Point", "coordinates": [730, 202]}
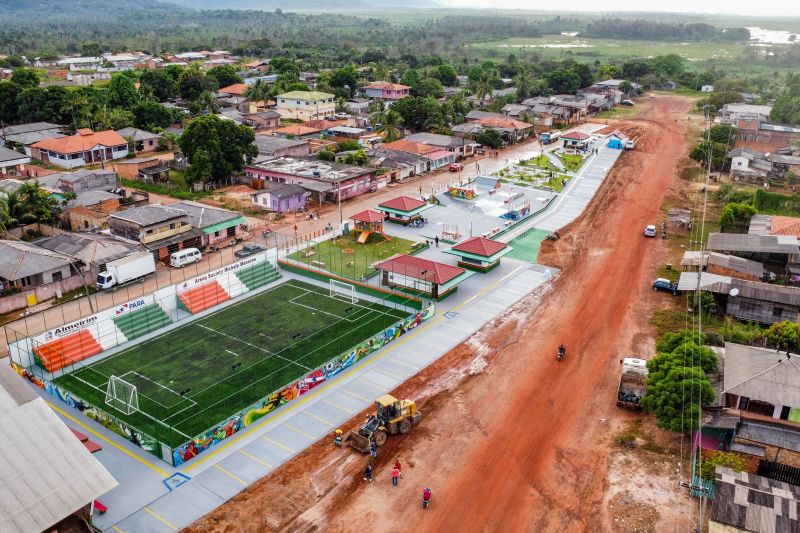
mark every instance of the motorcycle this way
{"type": "Point", "coordinates": [329, 227]}
{"type": "Point", "coordinates": [561, 353]}
{"type": "Point", "coordinates": [266, 233]}
{"type": "Point", "coordinates": [426, 498]}
{"type": "Point", "coordinates": [213, 249]}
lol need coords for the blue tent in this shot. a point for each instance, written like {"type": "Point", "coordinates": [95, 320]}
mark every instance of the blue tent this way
{"type": "Point", "coordinates": [616, 143]}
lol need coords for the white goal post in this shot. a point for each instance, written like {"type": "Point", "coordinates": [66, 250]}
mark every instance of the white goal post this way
{"type": "Point", "coordinates": [122, 396]}
{"type": "Point", "coordinates": [340, 288]}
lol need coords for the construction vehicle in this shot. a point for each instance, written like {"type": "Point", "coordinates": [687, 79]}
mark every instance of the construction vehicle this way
{"type": "Point", "coordinates": [632, 383]}
{"type": "Point", "coordinates": [392, 416]}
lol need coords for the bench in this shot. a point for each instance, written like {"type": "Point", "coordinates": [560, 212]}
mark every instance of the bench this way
{"type": "Point", "coordinates": [318, 263]}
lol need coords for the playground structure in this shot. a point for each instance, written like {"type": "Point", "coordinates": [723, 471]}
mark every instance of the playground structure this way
{"type": "Point", "coordinates": [450, 232]}
{"type": "Point", "coordinates": [465, 192]}
{"type": "Point", "coordinates": [518, 207]}
{"type": "Point", "coordinates": [368, 222]}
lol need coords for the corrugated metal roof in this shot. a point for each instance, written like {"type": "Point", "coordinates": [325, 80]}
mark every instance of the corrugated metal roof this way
{"type": "Point", "coordinates": [20, 259]}
{"type": "Point", "coordinates": [760, 225]}
{"type": "Point", "coordinates": [736, 242]}
{"type": "Point", "coordinates": [738, 264]}
{"type": "Point", "coordinates": [767, 292]}
{"type": "Point", "coordinates": [772, 434]}
{"type": "Point", "coordinates": [46, 473]}
{"type": "Point", "coordinates": [708, 282]}
{"type": "Point", "coordinates": [761, 374]}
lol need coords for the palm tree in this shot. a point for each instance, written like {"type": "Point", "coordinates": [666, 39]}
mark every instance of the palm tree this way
{"type": "Point", "coordinates": [390, 126]}
{"type": "Point", "coordinates": [379, 71]}
{"type": "Point", "coordinates": [524, 80]}
{"type": "Point", "coordinates": [379, 115]}
{"type": "Point", "coordinates": [258, 92]}
{"type": "Point", "coordinates": [484, 88]}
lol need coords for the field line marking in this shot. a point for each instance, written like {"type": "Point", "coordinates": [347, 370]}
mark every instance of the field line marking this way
{"type": "Point", "coordinates": [118, 530]}
{"type": "Point", "coordinates": [300, 431]}
{"type": "Point", "coordinates": [278, 444]}
{"type": "Point", "coordinates": [340, 407]}
{"type": "Point", "coordinates": [384, 372]}
{"type": "Point", "coordinates": [103, 437]}
{"type": "Point", "coordinates": [356, 396]}
{"type": "Point", "coordinates": [256, 459]}
{"type": "Point", "coordinates": [312, 415]}
{"type": "Point", "coordinates": [160, 518]}
{"type": "Point", "coordinates": [306, 397]}
{"type": "Point", "coordinates": [233, 476]}
{"type": "Point", "coordinates": [234, 353]}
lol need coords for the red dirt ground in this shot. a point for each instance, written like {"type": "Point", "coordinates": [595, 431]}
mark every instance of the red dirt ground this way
{"type": "Point", "coordinates": [511, 440]}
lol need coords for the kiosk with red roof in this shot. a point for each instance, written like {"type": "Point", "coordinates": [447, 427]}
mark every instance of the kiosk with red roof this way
{"type": "Point", "coordinates": [403, 209]}
{"type": "Point", "coordinates": [479, 253]}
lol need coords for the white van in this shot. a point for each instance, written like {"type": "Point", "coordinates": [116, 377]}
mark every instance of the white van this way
{"type": "Point", "coordinates": [184, 257]}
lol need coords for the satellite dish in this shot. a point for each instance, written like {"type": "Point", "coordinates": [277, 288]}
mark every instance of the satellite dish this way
{"type": "Point", "coordinates": [734, 292]}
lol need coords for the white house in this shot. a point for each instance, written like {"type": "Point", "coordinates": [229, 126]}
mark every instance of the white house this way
{"type": "Point", "coordinates": [306, 105]}
{"type": "Point", "coordinates": [83, 148]}
{"type": "Point", "coordinates": [707, 89]}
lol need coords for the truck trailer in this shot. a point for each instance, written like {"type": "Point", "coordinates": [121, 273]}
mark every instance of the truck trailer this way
{"type": "Point", "coordinates": [549, 137]}
{"type": "Point", "coordinates": [125, 270]}
{"type": "Point", "coordinates": [632, 383]}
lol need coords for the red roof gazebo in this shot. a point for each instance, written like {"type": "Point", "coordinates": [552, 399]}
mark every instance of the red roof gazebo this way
{"type": "Point", "coordinates": [368, 222]}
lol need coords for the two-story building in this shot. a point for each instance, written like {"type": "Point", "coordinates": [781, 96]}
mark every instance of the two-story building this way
{"type": "Point", "coordinates": [83, 148]}
{"type": "Point", "coordinates": [162, 230]}
{"type": "Point", "coordinates": [385, 90]}
{"type": "Point", "coordinates": [306, 105]}
{"type": "Point", "coordinates": [215, 223]}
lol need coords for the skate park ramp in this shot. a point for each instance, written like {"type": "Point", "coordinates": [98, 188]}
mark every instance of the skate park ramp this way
{"type": "Point", "coordinates": [484, 184]}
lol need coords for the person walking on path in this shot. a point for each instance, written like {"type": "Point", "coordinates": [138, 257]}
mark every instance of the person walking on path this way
{"type": "Point", "coordinates": [398, 466]}
{"type": "Point", "coordinates": [436, 240]}
{"type": "Point", "coordinates": [395, 476]}
{"type": "Point", "coordinates": [373, 450]}
{"type": "Point", "coordinates": [368, 472]}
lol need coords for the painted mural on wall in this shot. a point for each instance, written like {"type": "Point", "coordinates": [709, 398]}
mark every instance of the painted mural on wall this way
{"type": "Point", "coordinates": [462, 192]}
{"type": "Point", "coordinates": [251, 414]}
{"type": "Point", "coordinates": [110, 422]}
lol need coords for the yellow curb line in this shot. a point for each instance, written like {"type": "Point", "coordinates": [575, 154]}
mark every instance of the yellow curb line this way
{"type": "Point", "coordinates": [160, 518]}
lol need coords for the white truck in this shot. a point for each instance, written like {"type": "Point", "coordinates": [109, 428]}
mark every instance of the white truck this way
{"type": "Point", "coordinates": [125, 270]}
{"type": "Point", "coordinates": [632, 383]}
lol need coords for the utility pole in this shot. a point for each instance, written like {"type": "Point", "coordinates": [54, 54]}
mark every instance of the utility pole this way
{"type": "Point", "coordinates": [703, 499]}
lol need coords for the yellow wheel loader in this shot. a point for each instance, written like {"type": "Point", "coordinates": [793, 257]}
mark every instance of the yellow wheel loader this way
{"type": "Point", "coordinates": [392, 416]}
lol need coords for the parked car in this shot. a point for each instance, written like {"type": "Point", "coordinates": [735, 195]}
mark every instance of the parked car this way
{"type": "Point", "coordinates": [455, 167]}
{"type": "Point", "coordinates": [342, 115]}
{"type": "Point", "coordinates": [663, 284]}
{"type": "Point", "coordinates": [627, 102]}
{"type": "Point", "coordinates": [248, 250]}
{"type": "Point", "coordinates": [630, 145]}
{"type": "Point", "coordinates": [650, 231]}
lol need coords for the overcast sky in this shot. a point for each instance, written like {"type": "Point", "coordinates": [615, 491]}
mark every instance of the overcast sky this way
{"type": "Point", "coordinates": [732, 7]}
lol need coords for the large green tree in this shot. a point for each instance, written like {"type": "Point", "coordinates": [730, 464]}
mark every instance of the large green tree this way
{"type": "Point", "coordinates": [162, 85]}
{"type": "Point", "coordinates": [193, 83]}
{"type": "Point", "coordinates": [150, 115]}
{"type": "Point", "coordinates": [735, 217]}
{"type": "Point", "coordinates": [227, 145]}
{"type": "Point", "coordinates": [25, 77]}
{"type": "Point", "coordinates": [785, 335]}
{"type": "Point", "coordinates": [225, 75]}
{"type": "Point", "coordinates": [491, 138]}
{"type": "Point", "coordinates": [122, 92]}
{"type": "Point", "coordinates": [8, 101]}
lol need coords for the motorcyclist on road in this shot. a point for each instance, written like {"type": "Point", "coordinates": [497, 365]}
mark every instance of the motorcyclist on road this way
{"type": "Point", "coordinates": [426, 497]}
{"type": "Point", "coordinates": [561, 351]}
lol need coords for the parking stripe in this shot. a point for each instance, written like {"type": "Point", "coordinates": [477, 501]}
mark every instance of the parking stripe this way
{"type": "Point", "coordinates": [216, 465]}
{"type": "Point", "coordinates": [256, 459]}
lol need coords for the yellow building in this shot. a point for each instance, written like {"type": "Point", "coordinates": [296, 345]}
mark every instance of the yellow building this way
{"type": "Point", "coordinates": [306, 105]}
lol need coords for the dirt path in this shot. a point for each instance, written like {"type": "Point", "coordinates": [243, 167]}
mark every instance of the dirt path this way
{"type": "Point", "coordinates": [513, 440]}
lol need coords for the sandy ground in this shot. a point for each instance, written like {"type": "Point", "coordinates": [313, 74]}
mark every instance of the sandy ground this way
{"type": "Point", "coordinates": [512, 439]}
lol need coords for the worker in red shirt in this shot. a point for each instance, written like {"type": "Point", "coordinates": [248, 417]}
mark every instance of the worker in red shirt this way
{"type": "Point", "coordinates": [397, 465]}
{"type": "Point", "coordinates": [395, 475]}
{"type": "Point", "coordinates": [426, 497]}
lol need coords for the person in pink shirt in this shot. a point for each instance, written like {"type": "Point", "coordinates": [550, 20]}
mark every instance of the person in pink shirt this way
{"type": "Point", "coordinates": [395, 475]}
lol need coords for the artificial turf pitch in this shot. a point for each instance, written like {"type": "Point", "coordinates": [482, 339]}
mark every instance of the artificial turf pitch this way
{"type": "Point", "coordinates": [230, 359]}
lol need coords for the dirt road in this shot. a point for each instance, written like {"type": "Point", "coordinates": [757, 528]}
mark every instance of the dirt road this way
{"type": "Point", "coordinates": [513, 440]}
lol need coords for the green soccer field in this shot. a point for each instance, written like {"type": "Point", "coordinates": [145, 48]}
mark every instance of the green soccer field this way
{"type": "Point", "coordinates": [195, 376]}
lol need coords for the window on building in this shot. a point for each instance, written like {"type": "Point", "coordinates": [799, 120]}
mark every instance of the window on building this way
{"type": "Point", "coordinates": [217, 233]}
{"type": "Point", "coordinates": [58, 276]}
{"type": "Point", "coordinates": [777, 312]}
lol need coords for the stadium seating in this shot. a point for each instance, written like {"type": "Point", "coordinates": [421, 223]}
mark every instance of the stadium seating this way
{"type": "Point", "coordinates": [142, 321]}
{"type": "Point", "coordinates": [59, 353]}
{"type": "Point", "coordinates": [258, 275]}
{"type": "Point", "coordinates": [202, 297]}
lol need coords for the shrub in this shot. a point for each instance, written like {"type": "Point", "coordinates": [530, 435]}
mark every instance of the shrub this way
{"type": "Point", "coordinates": [709, 466]}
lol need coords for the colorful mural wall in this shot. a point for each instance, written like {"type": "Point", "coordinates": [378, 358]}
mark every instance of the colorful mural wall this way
{"type": "Point", "coordinates": [108, 421]}
{"type": "Point", "coordinates": [254, 412]}
{"type": "Point", "coordinates": [462, 192]}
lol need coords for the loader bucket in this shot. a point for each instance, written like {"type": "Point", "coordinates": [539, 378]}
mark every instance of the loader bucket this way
{"type": "Point", "coordinates": [357, 441]}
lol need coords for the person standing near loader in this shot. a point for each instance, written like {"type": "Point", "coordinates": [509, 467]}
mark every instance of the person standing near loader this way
{"type": "Point", "coordinates": [396, 475]}
{"type": "Point", "coordinates": [368, 472]}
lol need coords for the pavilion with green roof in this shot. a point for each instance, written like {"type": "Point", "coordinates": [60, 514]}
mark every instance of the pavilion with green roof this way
{"type": "Point", "coordinates": [479, 253]}
{"type": "Point", "coordinates": [403, 209]}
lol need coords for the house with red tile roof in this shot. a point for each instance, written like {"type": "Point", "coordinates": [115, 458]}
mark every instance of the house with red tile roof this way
{"type": "Point", "coordinates": [296, 131]}
{"type": "Point", "coordinates": [437, 156]}
{"type": "Point", "coordinates": [237, 89]}
{"type": "Point", "coordinates": [420, 276]}
{"type": "Point", "coordinates": [403, 209]}
{"type": "Point", "coordinates": [84, 148]}
{"type": "Point", "coordinates": [575, 140]}
{"type": "Point", "coordinates": [479, 253]}
{"type": "Point", "coordinates": [386, 90]}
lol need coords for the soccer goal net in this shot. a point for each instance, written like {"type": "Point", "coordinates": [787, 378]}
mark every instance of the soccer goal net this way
{"type": "Point", "coordinates": [122, 395]}
{"type": "Point", "coordinates": [342, 289]}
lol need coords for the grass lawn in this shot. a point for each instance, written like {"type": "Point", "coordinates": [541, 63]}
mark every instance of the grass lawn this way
{"type": "Point", "coordinates": [541, 161]}
{"type": "Point", "coordinates": [348, 258]}
{"type": "Point", "coordinates": [572, 162]}
{"type": "Point", "coordinates": [619, 112]}
{"type": "Point", "coordinates": [228, 360]}
{"type": "Point", "coordinates": [177, 187]}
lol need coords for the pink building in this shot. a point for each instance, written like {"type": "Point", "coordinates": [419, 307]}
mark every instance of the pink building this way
{"type": "Point", "coordinates": [387, 91]}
